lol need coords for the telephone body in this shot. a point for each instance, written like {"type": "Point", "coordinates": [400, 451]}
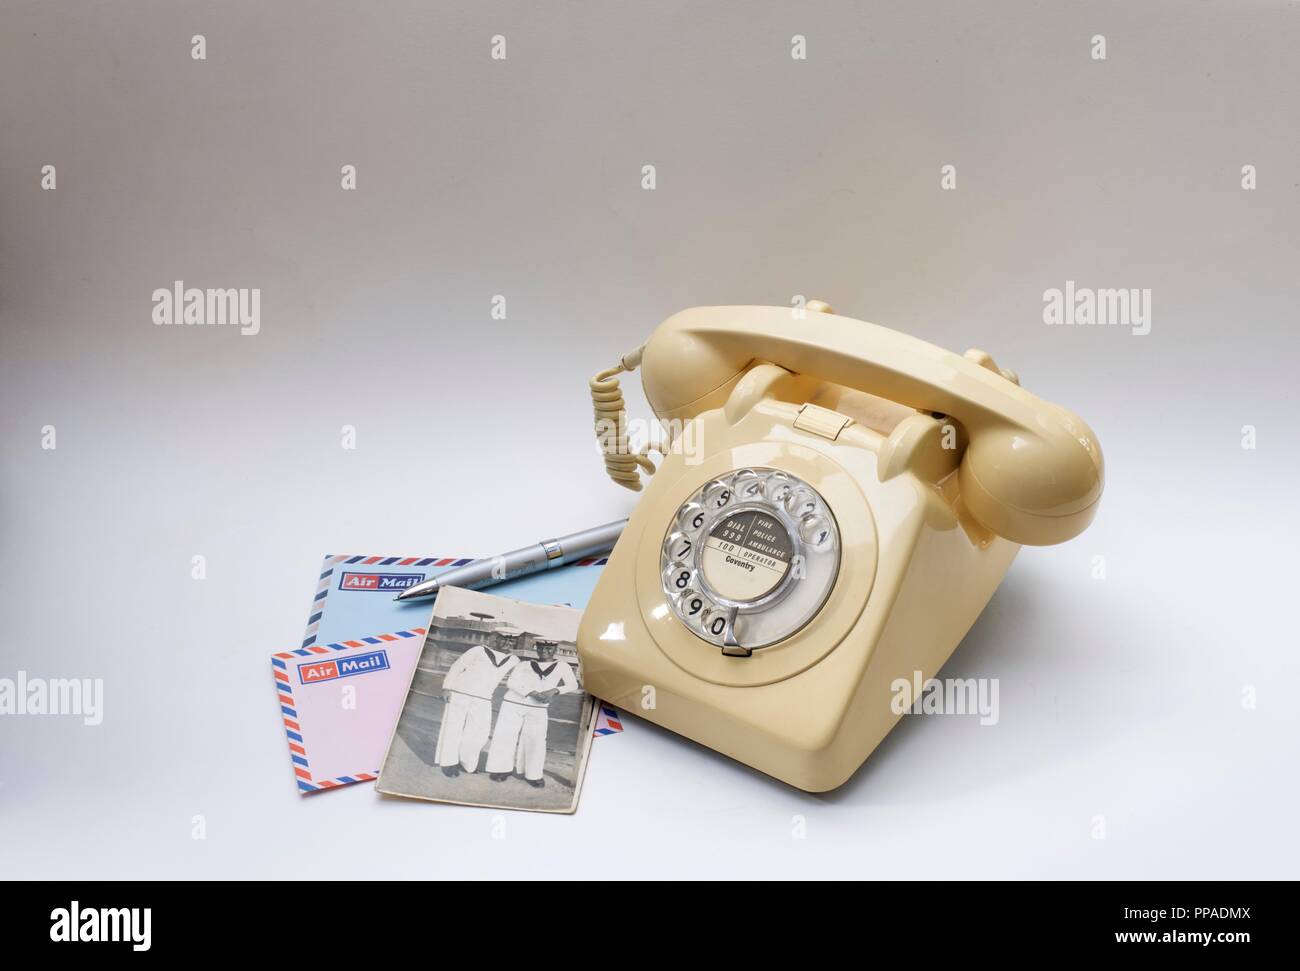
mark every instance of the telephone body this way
{"type": "Point", "coordinates": [850, 500]}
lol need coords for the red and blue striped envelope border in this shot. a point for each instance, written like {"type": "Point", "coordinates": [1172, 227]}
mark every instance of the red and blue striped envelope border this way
{"type": "Point", "coordinates": [332, 562]}
{"type": "Point", "coordinates": [611, 721]}
{"type": "Point", "coordinates": [289, 708]}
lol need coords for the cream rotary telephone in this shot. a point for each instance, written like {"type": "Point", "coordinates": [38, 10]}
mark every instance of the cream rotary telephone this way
{"type": "Point", "coordinates": [850, 500]}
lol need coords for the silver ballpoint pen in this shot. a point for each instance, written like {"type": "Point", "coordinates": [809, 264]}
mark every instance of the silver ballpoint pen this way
{"type": "Point", "coordinates": [546, 555]}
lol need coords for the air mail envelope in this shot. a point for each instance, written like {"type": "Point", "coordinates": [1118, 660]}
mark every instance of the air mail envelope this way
{"type": "Point", "coordinates": [354, 598]}
{"type": "Point", "coordinates": [608, 720]}
{"type": "Point", "coordinates": [339, 701]}
{"type": "Point", "coordinates": [354, 594]}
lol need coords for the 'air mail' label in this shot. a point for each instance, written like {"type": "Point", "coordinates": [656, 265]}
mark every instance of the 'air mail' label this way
{"type": "Point", "coordinates": [379, 581]}
{"type": "Point", "coordinates": [343, 667]}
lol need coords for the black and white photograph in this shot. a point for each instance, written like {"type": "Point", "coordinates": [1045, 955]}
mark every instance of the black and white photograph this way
{"type": "Point", "coordinates": [496, 714]}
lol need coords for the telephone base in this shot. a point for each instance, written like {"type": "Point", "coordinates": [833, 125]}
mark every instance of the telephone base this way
{"type": "Point", "coordinates": [808, 708]}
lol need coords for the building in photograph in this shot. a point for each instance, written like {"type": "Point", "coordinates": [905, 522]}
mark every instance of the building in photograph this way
{"type": "Point", "coordinates": [455, 635]}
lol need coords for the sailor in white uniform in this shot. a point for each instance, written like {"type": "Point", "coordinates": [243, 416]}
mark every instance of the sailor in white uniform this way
{"type": "Point", "coordinates": [467, 718]}
{"type": "Point", "coordinates": [519, 738]}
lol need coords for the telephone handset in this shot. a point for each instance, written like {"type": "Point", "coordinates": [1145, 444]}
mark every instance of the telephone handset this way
{"type": "Point", "coordinates": [838, 503]}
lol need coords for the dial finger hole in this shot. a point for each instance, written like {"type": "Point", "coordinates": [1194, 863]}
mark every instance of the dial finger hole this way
{"type": "Point", "coordinates": [691, 517]}
{"type": "Point", "coordinates": [778, 486]}
{"type": "Point", "coordinates": [800, 502]}
{"type": "Point", "coordinates": [747, 484]}
{"type": "Point", "coordinates": [678, 579]}
{"type": "Point", "coordinates": [692, 605]}
{"type": "Point", "coordinates": [678, 547]}
{"type": "Point", "coordinates": [815, 532]}
{"type": "Point", "coordinates": [714, 623]}
{"type": "Point", "coordinates": [717, 495]}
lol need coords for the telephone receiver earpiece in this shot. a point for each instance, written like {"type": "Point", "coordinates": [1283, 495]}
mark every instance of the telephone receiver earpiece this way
{"type": "Point", "coordinates": [1032, 471]}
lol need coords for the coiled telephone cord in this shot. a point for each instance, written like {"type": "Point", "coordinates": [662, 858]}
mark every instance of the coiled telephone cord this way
{"type": "Point", "coordinates": [623, 464]}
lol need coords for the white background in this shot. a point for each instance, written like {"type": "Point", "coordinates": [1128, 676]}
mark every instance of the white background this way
{"type": "Point", "coordinates": [1121, 698]}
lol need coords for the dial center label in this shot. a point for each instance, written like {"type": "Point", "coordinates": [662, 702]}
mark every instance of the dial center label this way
{"type": "Point", "coordinates": [746, 555]}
